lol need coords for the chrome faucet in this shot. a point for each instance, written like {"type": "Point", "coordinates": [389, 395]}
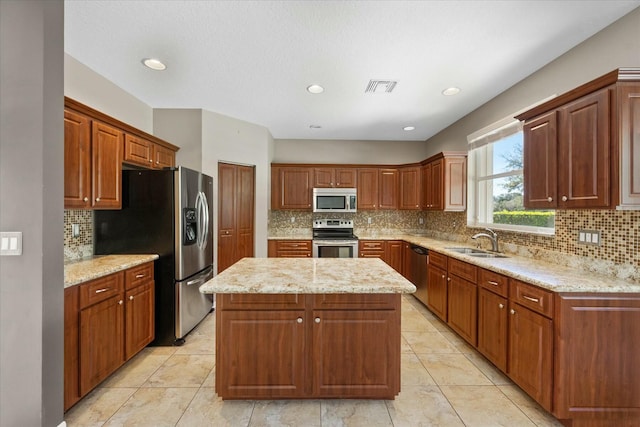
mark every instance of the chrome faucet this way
{"type": "Point", "coordinates": [492, 235]}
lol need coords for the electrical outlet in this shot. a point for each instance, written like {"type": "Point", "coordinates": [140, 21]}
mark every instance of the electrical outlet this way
{"type": "Point", "coordinates": [421, 220]}
{"type": "Point", "coordinates": [293, 219]}
{"type": "Point", "coordinates": [75, 230]}
{"type": "Point", "coordinates": [369, 220]}
{"type": "Point", "coordinates": [11, 243]}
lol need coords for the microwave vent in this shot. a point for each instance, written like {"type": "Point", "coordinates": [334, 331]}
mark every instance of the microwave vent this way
{"type": "Point", "coordinates": [380, 86]}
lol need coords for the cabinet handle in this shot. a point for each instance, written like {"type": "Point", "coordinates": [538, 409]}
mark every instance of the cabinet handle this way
{"type": "Point", "coordinates": [564, 198]}
{"type": "Point", "coordinates": [97, 199]}
{"type": "Point", "coordinates": [294, 246]}
{"type": "Point", "coordinates": [550, 199]}
{"type": "Point", "coordinates": [99, 291]}
{"type": "Point", "coordinates": [491, 282]}
{"type": "Point", "coordinates": [139, 276]}
{"type": "Point", "coordinates": [501, 305]}
{"type": "Point", "coordinates": [512, 311]}
{"type": "Point", "coordinates": [120, 302]}
{"type": "Point", "coordinates": [317, 320]}
{"type": "Point", "coordinates": [443, 276]}
{"type": "Point", "coordinates": [531, 298]}
{"type": "Point", "coordinates": [86, 199]}
{"type": "Point", "coordinates": [299, 320]}
{"type": "Point", "coordinates": [130, 297]}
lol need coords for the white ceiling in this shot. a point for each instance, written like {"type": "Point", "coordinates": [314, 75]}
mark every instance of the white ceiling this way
{"type": "Point", "coordinates": [252, 60]}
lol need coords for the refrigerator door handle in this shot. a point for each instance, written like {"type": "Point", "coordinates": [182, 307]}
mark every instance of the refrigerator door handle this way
{"type": "Point", "coordinates": [205, 206]}
{"type": "Point", "coordinates": [199, 211]}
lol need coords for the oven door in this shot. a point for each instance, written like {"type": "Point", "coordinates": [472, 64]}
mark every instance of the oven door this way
{"type": "Point", "coordinates": [335, 248]}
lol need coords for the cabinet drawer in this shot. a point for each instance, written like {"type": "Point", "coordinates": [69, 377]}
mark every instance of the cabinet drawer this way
{"type": "Point", "coordinates": [138, 275]}
{"type": "Point", "coordinates": [294, 245]}
{"type": "Point", "coordinates": [464, 270]}
{"type": "Point", "coordinates": [260, 301]}
{"type": "Point", "coordinates": [101, 289]}
{"type": "Point", "coordinates": [494, 282]}
{"type": "Point", "coordinates": [438, 260]}
{"type": "Point", "coordinates": [372, 245]}
{"type": "Point", "coordinates": [356, 301]}
{"type": "Point", "coordinates": [537, 299]}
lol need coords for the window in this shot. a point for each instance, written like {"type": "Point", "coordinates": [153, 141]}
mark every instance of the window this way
{"type": "Point", "coordinates": [495, 182]}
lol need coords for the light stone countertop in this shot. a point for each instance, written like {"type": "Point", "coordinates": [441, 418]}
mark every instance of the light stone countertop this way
{"type": "Point", "coordinates": [77, 272]}
{"type": "Point", "coordinates": [308, 276]}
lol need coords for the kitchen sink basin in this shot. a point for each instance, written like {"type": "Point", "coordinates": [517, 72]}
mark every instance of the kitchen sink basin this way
{"type": "Point", "coordinates": [477, 253]}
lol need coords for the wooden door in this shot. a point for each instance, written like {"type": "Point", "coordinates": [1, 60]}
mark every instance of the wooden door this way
{"type": "Point", "coordinates": [492, 327]}
{"type": "Point", "coordinates": [388, 189]}
{"type": "Point", "coordinates": [356, 353]}
{"type": "Point", "coordinates": [139, 321]}
{"type": "Point", "coordinates": [393, 250]}
{"type": "Point", "coordinates": [324, 178]}
{"type": "Point", "coordinates": [462, 300]}
{"type": "Point", "coordinates": [585, 153]}
{"type": "Point", "coordinates": [296, 185]}
{"type": "Point", "coordinates": [77, 161]}
{"type": "Point", "coordinates": [437, 291]}
{"type": "Point", "coordinates": [106, 153]}
{"type": "Point", "coordinates": [71, 346]}
{"type": "Point", "coordinates": [540, 161]}
{"type": "Point", "coordinates": [345, 178]}
{"type": "Point", "coordinates": [410, 188]}
{"type": "Point", "coordinates": [437, 186]}
{"type": "Point", "coordinates": [530, 356]}
{"type": "Point", "coordinates": [138, 151]}
{"type": "Point", "coordinates": [101, 341]}
{"type": "Point", "coordinates": [367, 188]}
{"type": "Point", "coordinates": [245, 196]}
{"type": "Point", "coordinates": [262, 354]}
{"type": "Point", "coordinates": [227, 187]}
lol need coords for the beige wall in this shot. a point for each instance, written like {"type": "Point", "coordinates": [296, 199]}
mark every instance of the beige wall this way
{"type": "Point", "coordinates": [616, 46]}
{"type": "Point", "coordinates": [182, 127]}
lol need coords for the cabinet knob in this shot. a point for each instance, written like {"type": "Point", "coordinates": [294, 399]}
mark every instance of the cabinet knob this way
{"type": "Point", "coordinates": [308, 255]}
{"type": "Point", "coordinates": [120, 302]}
{"type": "Point", "coordinates": [317, 320]}
{"type": "Point", "coordinates": [299, 320]}
{"type": "Point", "coordinates": [332, 184]}
{"type": "Point", "coordinates": [564, 198]}
{"type": "Point", "coordinates": [443, 276]}
{"type": "Point", "coordinates": [150, 161]}
{"type": "Point", "coordinates": [501, 305]}
{"type": "Point", "coordinates": [550, 199]}
{"type": "Point", "coordinates": [157, 162]}
{"type": "Point", "coordinates": [374, 206]}
{"type": "Point", "coordinates": [97, 199]}
{"type": "Point", "coordinates": [86, 199]}
{"type": "Point", "coordinates": [416, 206]}
{"type": "Point", "coordinates": [130, 297]}
{"type": "Point", "coordinates": [512, 311]}
{"type": "Point", "coordinates": [448, 279]}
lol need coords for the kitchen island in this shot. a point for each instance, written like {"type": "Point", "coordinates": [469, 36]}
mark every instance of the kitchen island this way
{"type": "Point", "coordinates": [291, 328]}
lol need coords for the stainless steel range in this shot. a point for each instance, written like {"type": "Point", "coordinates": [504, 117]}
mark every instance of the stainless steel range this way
{"type": "Point", "coordinates": [334, 238]}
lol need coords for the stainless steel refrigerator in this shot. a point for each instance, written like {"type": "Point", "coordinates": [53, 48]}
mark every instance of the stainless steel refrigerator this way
{"type": "Point", "coordinates": [170, 213]}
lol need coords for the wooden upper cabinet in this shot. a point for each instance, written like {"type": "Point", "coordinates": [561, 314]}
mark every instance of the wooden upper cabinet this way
{"type": "Point", "coordinates": [334, 178]}
{"type": "Point", "coordinates": [444, 182]}
{"type": "Point", "coordinates": [410, 187]}
{"type": "Point", "coordinates": [291, 187]}
{"type": "Point", "coordinates": [368, 188]}
{"type": "Point", "coordinates": [388, 190]}
{"type": "Point", "coordinates": [541, 168]}
{"type": "Point", "coordinates": [163, 157]}
{"type": "Point", "coordinates": [138, 151]}
{"type": "Point", "coordinates": [77, 161]}
{"type": "Point", "coordinates": [596, 149]}
{"type": "Point", "coordinates": [106, 149]}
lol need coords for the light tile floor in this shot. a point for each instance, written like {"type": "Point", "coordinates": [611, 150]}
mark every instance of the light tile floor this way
{"type": "Point", "coordinates": [445, 382]}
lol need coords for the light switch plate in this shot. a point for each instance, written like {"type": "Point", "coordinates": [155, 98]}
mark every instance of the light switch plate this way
{"type": "Point", "coordinates": [10, 243]}
{"type": "Point", "coordinates": [589, 237]}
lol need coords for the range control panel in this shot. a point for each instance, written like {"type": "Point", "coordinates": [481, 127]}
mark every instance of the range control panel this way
{"type": "Point", "coordinates": [333, 223]}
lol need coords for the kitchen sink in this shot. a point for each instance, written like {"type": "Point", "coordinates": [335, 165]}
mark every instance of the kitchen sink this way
{"type": "Point", "coordinates": [478, 253]}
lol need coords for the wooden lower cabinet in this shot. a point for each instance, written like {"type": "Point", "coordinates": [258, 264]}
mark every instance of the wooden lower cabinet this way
{"type": "Point", "coordinates": [462, 300]}
{"type": "Point", "coordinates": [289, 248]}
{"type": "Point", "coordinates": [322, 346]}
{"type": "Point", "coordinates": [436, 290]}
{"type": "Point", "coordinates": [139, 322]}
{"type": "Point", "coordinates": [492, 327]}
{"type": "Point", "coordinates": [390, 251]}
{"type": "Point", "coordinates": [71, 347]}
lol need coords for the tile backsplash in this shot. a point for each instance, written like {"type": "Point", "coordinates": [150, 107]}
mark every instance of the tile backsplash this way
{"type": "Point", "coordinates": [79, 247]}
{"type": "Point", "coordinates": [618, 253]}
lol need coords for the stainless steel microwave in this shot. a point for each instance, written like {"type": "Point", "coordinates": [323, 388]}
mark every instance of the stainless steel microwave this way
{"type": "Point", "coordinates": [334, 200]}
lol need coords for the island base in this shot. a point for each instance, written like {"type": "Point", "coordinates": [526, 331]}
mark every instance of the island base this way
{"type": "Point", "coordinates": [297, 346]}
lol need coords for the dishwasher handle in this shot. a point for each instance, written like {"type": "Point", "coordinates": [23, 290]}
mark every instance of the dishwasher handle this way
{"type": "Point", "coordinates": [419, 250]}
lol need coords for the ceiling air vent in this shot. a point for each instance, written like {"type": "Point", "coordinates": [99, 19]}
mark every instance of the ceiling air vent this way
{"type": "Point", "coordinates": [380, 86]}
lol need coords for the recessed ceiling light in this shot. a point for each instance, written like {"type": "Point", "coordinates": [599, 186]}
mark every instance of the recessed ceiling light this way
{"type": "Point", "coordinates": [450, 91]}
{"type": "Point", "coordinates": [315, 127]}
{"type": "Point", "coordinates": [408, 128]}
{"type": "Point", "coordinates": [154, 64]}
{"type": "Point", "coordinates": [315, 89]}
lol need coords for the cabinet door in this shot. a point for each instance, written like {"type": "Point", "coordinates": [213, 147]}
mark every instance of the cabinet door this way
{"type": "Point", "coordinates": [629, 117]}
{"type": "Point", "coordinates": [427, 201]}
{"type": "Point", "coordinates": [106, 152]}
{"type": "Point", "coordinates": [462, 308]}
{"type": "Point", "coordinates": [245, 195]}
{"type": "Point", "coordinates": [356, 353]}
{"type": "Point", "coordinates": [262, 354]}
{"type": "Point", "coordinates": [101, 341]}
{"type": "Point", "coordinates": [437, 291]}
{"type": "Point", "coordinates": [410, 188]}
{"type": "Point", "coordinates": [455, 184]}
{"type": "Point", "coordinates": [77, 161]}
{"type": "Point", "coordinates": [367, 188]}
{"type": "Point", "coordinates": [437, 186]}
{"type": "Point", "coordinates": [345, 178]}
{"type": "Point", "coordinates": [71, 346]}
{"type": "Point", "coordinates": [139, 322]}
{"type": "Point", "coordinates": [388, 189]}
{"type": "Point", "coordinates": [540, 158]}
{"type": "Point", "coordinates": [138, 151]}
{"type": "Point", "coordinates": [530, 363]}
{"type": "Point", "coordinates": [163, 157]}
{"type": "Point", "coordinates": [492, 327]}
{"type": "Point", "coordinates": [295, 188]}
{"type": "Point", "coordinates": [324, 178]}
{"type": "Point", "coordinates": [585, 153]}
{"type": "Point", "coordinates": [393, 250]}
{"type": "Point", "coordinates": [226, 216]}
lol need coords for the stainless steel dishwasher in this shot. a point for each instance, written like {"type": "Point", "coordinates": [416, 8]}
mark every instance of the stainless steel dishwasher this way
{"type": "Point", "coordinates": [418, 271]}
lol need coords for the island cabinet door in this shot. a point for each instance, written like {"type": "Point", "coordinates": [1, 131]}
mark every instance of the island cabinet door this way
{"type": "Point", "coordinates": [356, 353]}
{"type": "Point", "coordinates": [262, 354]}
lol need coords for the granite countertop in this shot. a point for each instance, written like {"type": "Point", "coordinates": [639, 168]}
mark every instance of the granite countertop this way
{"type": "Point", "coordinates": [309, 276]}
{"type": "Point", "coordinates": [77, 272]}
